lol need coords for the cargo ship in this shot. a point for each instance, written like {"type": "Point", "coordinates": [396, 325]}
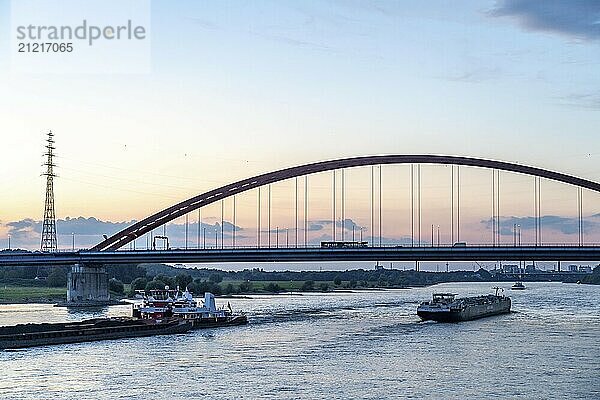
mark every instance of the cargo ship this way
{"type": "Point", "coordinates": [167, 303]}
{"type": "Point", "coordinates": [445, 307]}
{"type": "Point", "coordinates": [30, 335]}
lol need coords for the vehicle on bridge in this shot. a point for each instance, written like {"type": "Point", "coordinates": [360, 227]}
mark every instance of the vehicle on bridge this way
{"type": "Point", "coordinates": [344, 245]}
{"type": "Point", "coordinates": [167, 303]}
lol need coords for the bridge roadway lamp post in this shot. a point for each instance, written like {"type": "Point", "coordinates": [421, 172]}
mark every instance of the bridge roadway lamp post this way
{"type": "Point", "coordinates": [73, 241]}
{"type": "Point", "coordinates": [9, 242]}
{"type": "Point", "coordinates": [186, 231]}
{"type": "Point", "coordinates": [432, 242]}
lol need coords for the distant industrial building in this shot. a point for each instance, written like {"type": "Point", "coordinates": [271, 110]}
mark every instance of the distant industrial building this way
{"type": "Point", "coordinates": [510, 269]}
{"type": "Point", "coordinates": [572, 268]}
{"type": "Point", "coordinates": [530, 269]}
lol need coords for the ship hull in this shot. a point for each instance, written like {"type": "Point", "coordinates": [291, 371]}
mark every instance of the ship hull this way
{"type": "Point", "coordinates": [205, 323]}
{"type": "Point", "coordinates": [467, 314]}
{"type": "Point", "coordinates": [32, 335]}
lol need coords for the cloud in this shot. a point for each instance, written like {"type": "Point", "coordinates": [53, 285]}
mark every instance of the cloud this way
{"type": "Point", "coordinates": [324, 228]}
{"type": "Point", "coordinates": [564, 225]}
{"type": "Point", "coordinates": [271, 33]}
{"type": "Point", "coordinates": [27, 232]}
{"type": "Point", "coordinates": [176, 231]}
{"type": "Point", "coordinates": [24, 231]}
{"type": "Point", "coordinates": [349, 224]}
{"type": "Point", "coordinates": [90, 226]}
{"type": "Point", "coordinates": [476, 75]}
{"type": "Point", "coordinates": [79, 226]}
{"type": "Point", "coordinates": [589, 100]}
{"type": "Point", "coordinates": [579, 19]}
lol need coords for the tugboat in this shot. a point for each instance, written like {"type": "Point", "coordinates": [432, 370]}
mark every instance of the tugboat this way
{"type": "Point", "coordinates": [158, 304]}
{"type": "Point", "coordinates": [445, 307]}
{"type": "Point", "coordinates": [519, 284]}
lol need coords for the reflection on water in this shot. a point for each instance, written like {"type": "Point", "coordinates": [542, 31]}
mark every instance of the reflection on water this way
{"type": "Point", "coordinates": [343, 345]}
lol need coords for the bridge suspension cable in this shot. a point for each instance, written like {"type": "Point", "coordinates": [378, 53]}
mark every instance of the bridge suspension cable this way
{"type": "Point", "coordinates": [333, 217]}
{"type": "Point", "coordinates": [412, 206]}
{"type": "Point", "coordinates": [305, 210]}
{"type": "Point", "coordinates": [380, 210]}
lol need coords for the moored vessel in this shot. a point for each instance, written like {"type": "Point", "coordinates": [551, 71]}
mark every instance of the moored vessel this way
{"type": "Point", "coordinates": [30, 335]}
{"type": "Point", "coordinates": [157, 304]}
{"type": "Point", "coordinates": [445, 307]}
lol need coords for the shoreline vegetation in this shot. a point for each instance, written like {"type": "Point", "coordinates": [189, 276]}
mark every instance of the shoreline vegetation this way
{"type": "Point", "coordinates": [48, 285]}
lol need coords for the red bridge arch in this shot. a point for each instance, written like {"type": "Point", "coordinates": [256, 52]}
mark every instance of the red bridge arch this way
{"type": "Point", "coordinates": [144, 226]}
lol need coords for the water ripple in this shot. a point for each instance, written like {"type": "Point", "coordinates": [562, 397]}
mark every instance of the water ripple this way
{"type": "Point", "coordinates": [366, 345]}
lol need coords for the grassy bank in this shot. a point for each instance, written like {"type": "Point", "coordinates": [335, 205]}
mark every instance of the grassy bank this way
{"type": "Point", "coordinates": [25, 294]}
{"type": "Point", "coordinates": [266, 286]}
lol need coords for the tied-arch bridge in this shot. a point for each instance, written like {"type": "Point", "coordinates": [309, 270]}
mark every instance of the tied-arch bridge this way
{"type": "Point", "coordinates": [154, 221]}
{"type": "Point", "coordinates": [107, 251]}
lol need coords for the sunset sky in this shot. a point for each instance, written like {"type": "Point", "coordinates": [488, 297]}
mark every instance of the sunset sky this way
{"type": "Point", "coordinates": [237, 88]}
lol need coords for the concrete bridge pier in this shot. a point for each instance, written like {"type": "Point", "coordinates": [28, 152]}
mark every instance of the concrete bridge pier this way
{"type": "Point", "coordinates": [87, 285]}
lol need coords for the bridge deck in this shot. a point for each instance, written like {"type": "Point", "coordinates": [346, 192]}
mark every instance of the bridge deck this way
{"type": "Point", "coordinates": [309, 254]}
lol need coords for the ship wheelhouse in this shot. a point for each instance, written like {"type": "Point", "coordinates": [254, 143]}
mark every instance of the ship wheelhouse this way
{"type": "Point", "coordinates": [157, 304]}
{"type": "Point", "coordinates": [444, 298]}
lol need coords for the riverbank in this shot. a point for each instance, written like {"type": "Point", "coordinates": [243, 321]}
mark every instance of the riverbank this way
{"type": "Point", "coordinates": [12, 294]}
{"type": "Point", "coordinates": [31, 294]}
{"type": "Point", "coordinates": [41, 295]}
{"type": "Point", "coordinates": [230, 284]}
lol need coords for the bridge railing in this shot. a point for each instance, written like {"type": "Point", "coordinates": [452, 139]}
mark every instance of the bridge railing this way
{"type": "Point", "coordinates": [471, 246]}
{"type": "Point", "coordinates": [382, 246]}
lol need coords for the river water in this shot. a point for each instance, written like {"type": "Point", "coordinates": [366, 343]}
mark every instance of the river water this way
{"type": "Point", "coordinates": [360, 345]}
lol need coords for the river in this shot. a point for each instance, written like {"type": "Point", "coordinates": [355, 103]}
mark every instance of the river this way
{"type": "Point", "coordinates": [364, 344]}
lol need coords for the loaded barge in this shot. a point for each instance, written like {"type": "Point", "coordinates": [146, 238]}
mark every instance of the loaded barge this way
{"type": "Point", "coordinates": [445, 307]}
{"type": "Point", "coordinates": [161, 312]}
{"type": "Point", "coordinates": [30, 335]}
